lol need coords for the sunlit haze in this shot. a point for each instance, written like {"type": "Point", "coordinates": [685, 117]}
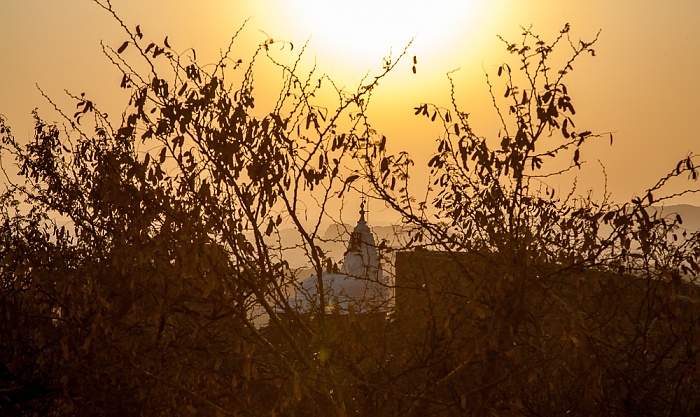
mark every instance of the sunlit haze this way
{"type": "Point", "coordinates": [640, 86]}
{"type": "Point", "coordinates": [357, 33]}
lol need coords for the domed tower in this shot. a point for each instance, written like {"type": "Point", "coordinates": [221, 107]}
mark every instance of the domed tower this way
{"type": "Point", "coordinates": [360, 285]}
{"type": "Point", "coordinates": [361, 259]}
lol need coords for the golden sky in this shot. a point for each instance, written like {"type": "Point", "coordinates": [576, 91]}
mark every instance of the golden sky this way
{"type": "Point", "coordinates": [642, 85]}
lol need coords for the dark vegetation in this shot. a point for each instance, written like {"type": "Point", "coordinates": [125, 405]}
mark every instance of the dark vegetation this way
{"type": "Point", "coordinates": [138, 261]}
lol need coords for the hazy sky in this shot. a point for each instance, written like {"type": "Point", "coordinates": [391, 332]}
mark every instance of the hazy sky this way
{"type": "Point", "coordinates": [642, 85]}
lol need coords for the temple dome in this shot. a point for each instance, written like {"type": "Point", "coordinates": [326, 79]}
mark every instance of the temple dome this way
{"type": "Point", "coordinates": [359, 286]}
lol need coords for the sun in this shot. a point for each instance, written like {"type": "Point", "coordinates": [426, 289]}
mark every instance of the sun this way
{"type": "Point", "coordinates": [362, 32]}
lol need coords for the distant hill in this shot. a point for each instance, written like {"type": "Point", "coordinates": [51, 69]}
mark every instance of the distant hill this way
{"type": "Point", "coordinates": [689, 214]}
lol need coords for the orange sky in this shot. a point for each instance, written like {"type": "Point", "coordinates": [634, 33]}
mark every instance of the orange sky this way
{"type": "Point", "coordinates": [642, 85]}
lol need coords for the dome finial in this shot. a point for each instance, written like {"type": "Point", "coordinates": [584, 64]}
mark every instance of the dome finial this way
{"type": "Point", "coordinates": [362, 210]}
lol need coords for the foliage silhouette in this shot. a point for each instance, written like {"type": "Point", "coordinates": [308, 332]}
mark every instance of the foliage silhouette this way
{"type": "Point", "coordinates": [565, 301]}
{"type": "Point", "coordinates": [149, 298]}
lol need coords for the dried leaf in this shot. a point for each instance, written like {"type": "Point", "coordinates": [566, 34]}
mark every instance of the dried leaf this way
{"type": "Point", "coordinates": [123, 47]}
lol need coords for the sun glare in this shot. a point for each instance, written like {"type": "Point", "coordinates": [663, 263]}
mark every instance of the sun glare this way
{"type": "Point", "coordinates": [361, 32]}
